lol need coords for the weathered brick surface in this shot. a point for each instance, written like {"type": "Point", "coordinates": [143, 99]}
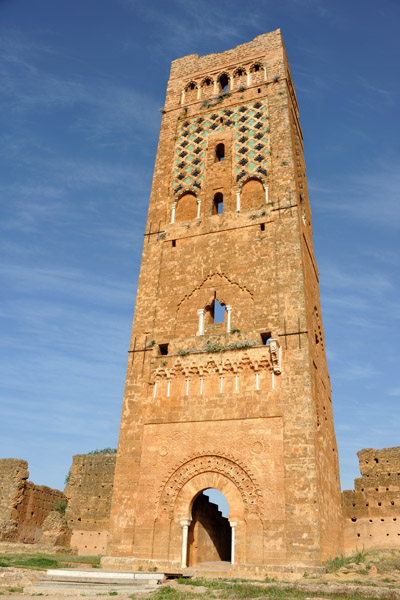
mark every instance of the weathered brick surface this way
{"type": "Point", "coordinates": [372, 512]}
{"type": "Point", "coordinates": [23, 505]}
{"type": "Point", "coordinates": [89, 492]}
{"type": "Point", "coordinates": [253, 420]}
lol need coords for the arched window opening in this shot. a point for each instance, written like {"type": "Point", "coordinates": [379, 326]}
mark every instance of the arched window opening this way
{"type": "Point", "coordinates": [224, 83]}
{"type": "Point", "coordinates": [209, 535]}
{"type": "Point", "coordinates": [218, 204]}
{"type": "Point", "coordinates": [252, 194]}
{"type": "Point", "coordinates": [240, 79]}
{"type": "Point", "coordinates": [220, 152]}
{"type": "Point", "coordinates": [257, 73]}
{"type": "Point", "coordinates": [207, 88]}
{"type": "Point", "coordinates": [219, 312]}
{"type": "Point", "coordinates": [216, 311]}
{"type": "Point", "coordinates": [191, 92]}
{"type": "Point", "coordinates": [186, 208]}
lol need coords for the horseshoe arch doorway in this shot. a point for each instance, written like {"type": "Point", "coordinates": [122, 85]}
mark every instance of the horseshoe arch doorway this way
{"type": "Point", "coordinates": [209, 535]}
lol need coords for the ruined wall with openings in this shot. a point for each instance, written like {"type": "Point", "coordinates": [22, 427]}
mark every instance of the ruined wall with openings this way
{"type": "Point", "coordinates": [372, 511]}
{"type": "Point", "coordinates": [89, 492]}
{"type": "Point", "coordinates": [24, 506]}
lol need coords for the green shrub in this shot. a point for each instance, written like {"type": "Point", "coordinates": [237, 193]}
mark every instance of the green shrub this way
{"type": "Point", "coordinates": [104, 450]}
{"type": "Point", "coordinates": [61, 506]}
{"type": "Point", "coordinates": [68, 475]}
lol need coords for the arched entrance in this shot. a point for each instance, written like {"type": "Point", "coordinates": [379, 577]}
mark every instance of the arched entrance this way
{"type": "Point", "coordinates": [179, 492]}
{"type": "Point", "coordinates": [209, 534]}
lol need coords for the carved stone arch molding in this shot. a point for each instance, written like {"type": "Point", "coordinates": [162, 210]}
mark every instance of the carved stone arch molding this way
{"type": "Point", "coordinates": [200, 472]}
{"type": "Point", "coordinates": [228, 292]}
{"type": "Point", "coordinates": [218, 279]}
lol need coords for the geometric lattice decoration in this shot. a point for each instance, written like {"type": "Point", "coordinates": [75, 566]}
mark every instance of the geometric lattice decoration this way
{"type": "Point", "coordinates": [251, 142]}
{"type": "Point", "coordinates": [249, 122]}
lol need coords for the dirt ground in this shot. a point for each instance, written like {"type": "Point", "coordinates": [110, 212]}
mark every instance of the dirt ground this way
{"type": "Point", "coordinates": [374, 574]}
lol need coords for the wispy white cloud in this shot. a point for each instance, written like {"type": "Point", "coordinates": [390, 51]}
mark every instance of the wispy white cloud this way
{"type": "Point", "coordinates": [108, 107]}
{"type": "Point", "coordinates": [383, 94]}
{"type": "Point", "coordinates": [66, 282]}
{"type": "Point", "coordinates": [365, 196]}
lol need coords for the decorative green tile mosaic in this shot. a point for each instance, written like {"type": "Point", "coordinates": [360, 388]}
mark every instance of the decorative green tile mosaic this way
{"type": "Point", "coordinates": [248, 121]}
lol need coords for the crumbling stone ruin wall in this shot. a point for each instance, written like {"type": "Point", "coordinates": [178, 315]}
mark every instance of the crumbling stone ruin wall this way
{"type": "Point", "coordinates": [371, 513]}
{"type": "Point", "coordinates": [55, 531]}
{"type": "Point", "coordinates": [37, 503]}
{"type": "Point", "coordinates": [13, 474]}
{"type": "Point", "coordinates": [89, 492]}
{"type": "Point", "coordinates": [23, 505]}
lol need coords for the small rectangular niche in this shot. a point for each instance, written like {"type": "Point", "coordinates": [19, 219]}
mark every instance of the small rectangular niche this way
{"type": "Point", "coordinates": [173, 243]}
{"type": "Point", "coordinates": [262, 226]}
{"type": "Point", "coordinates": [265, 338]}
{"type": "Point", "coordinates": [163, 349]}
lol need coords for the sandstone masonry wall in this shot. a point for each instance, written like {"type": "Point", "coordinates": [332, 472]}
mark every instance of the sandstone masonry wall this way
{"type": "Point", "coordinates": [13, 475]}
{"type": "Point", "coordinates": [372, 511]}
{"type": "Point", "coordinates": [89, 492]}
{"type": "Point", "coordinates": [23, 505]}
{"type": "Point", "coordinates": [211, 403]}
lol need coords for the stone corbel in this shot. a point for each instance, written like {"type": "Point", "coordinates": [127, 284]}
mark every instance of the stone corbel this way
{"type": "Point", "coordinates": [276, 355]}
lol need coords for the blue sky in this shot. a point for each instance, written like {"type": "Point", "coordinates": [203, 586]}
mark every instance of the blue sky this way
{"type": "Point", "coordinates": [81, 87]}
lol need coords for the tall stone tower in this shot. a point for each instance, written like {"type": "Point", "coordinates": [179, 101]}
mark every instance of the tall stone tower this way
{"type": "Point", "coordinates": [227, 384]}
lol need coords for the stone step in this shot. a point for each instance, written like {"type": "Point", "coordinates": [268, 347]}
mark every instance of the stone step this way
{"type": "Point", "coordinates": [89, 581]}
{"type": "Point", "coordinates": [103, 576]}
{"type": "Point", "coordinates": [73, 589]}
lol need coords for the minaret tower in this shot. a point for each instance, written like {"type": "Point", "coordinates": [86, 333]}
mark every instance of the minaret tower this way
{"type": "Point", "coordinates": [227, 384]}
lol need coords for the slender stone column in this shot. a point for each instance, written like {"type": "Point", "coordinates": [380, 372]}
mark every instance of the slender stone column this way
{"type": "Point", "coordinates": [266, 194]}
{"type": "Point", "coordinates": [185, 529]}
{"type": "Point", "coordinates": [248, 78]}
{"type": "Point", "coordinates": [228, 318]}
{"type": "Point", "coordinates": [198, 209]}
{"type": "Point", "coordinates": [173, 213]}
{"type": "Point", "coordinates": [233, 525]}
{"type": "Point", "coordinates": [237, 200]}
{"type": "Point", "coordinates": [201, 312]}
